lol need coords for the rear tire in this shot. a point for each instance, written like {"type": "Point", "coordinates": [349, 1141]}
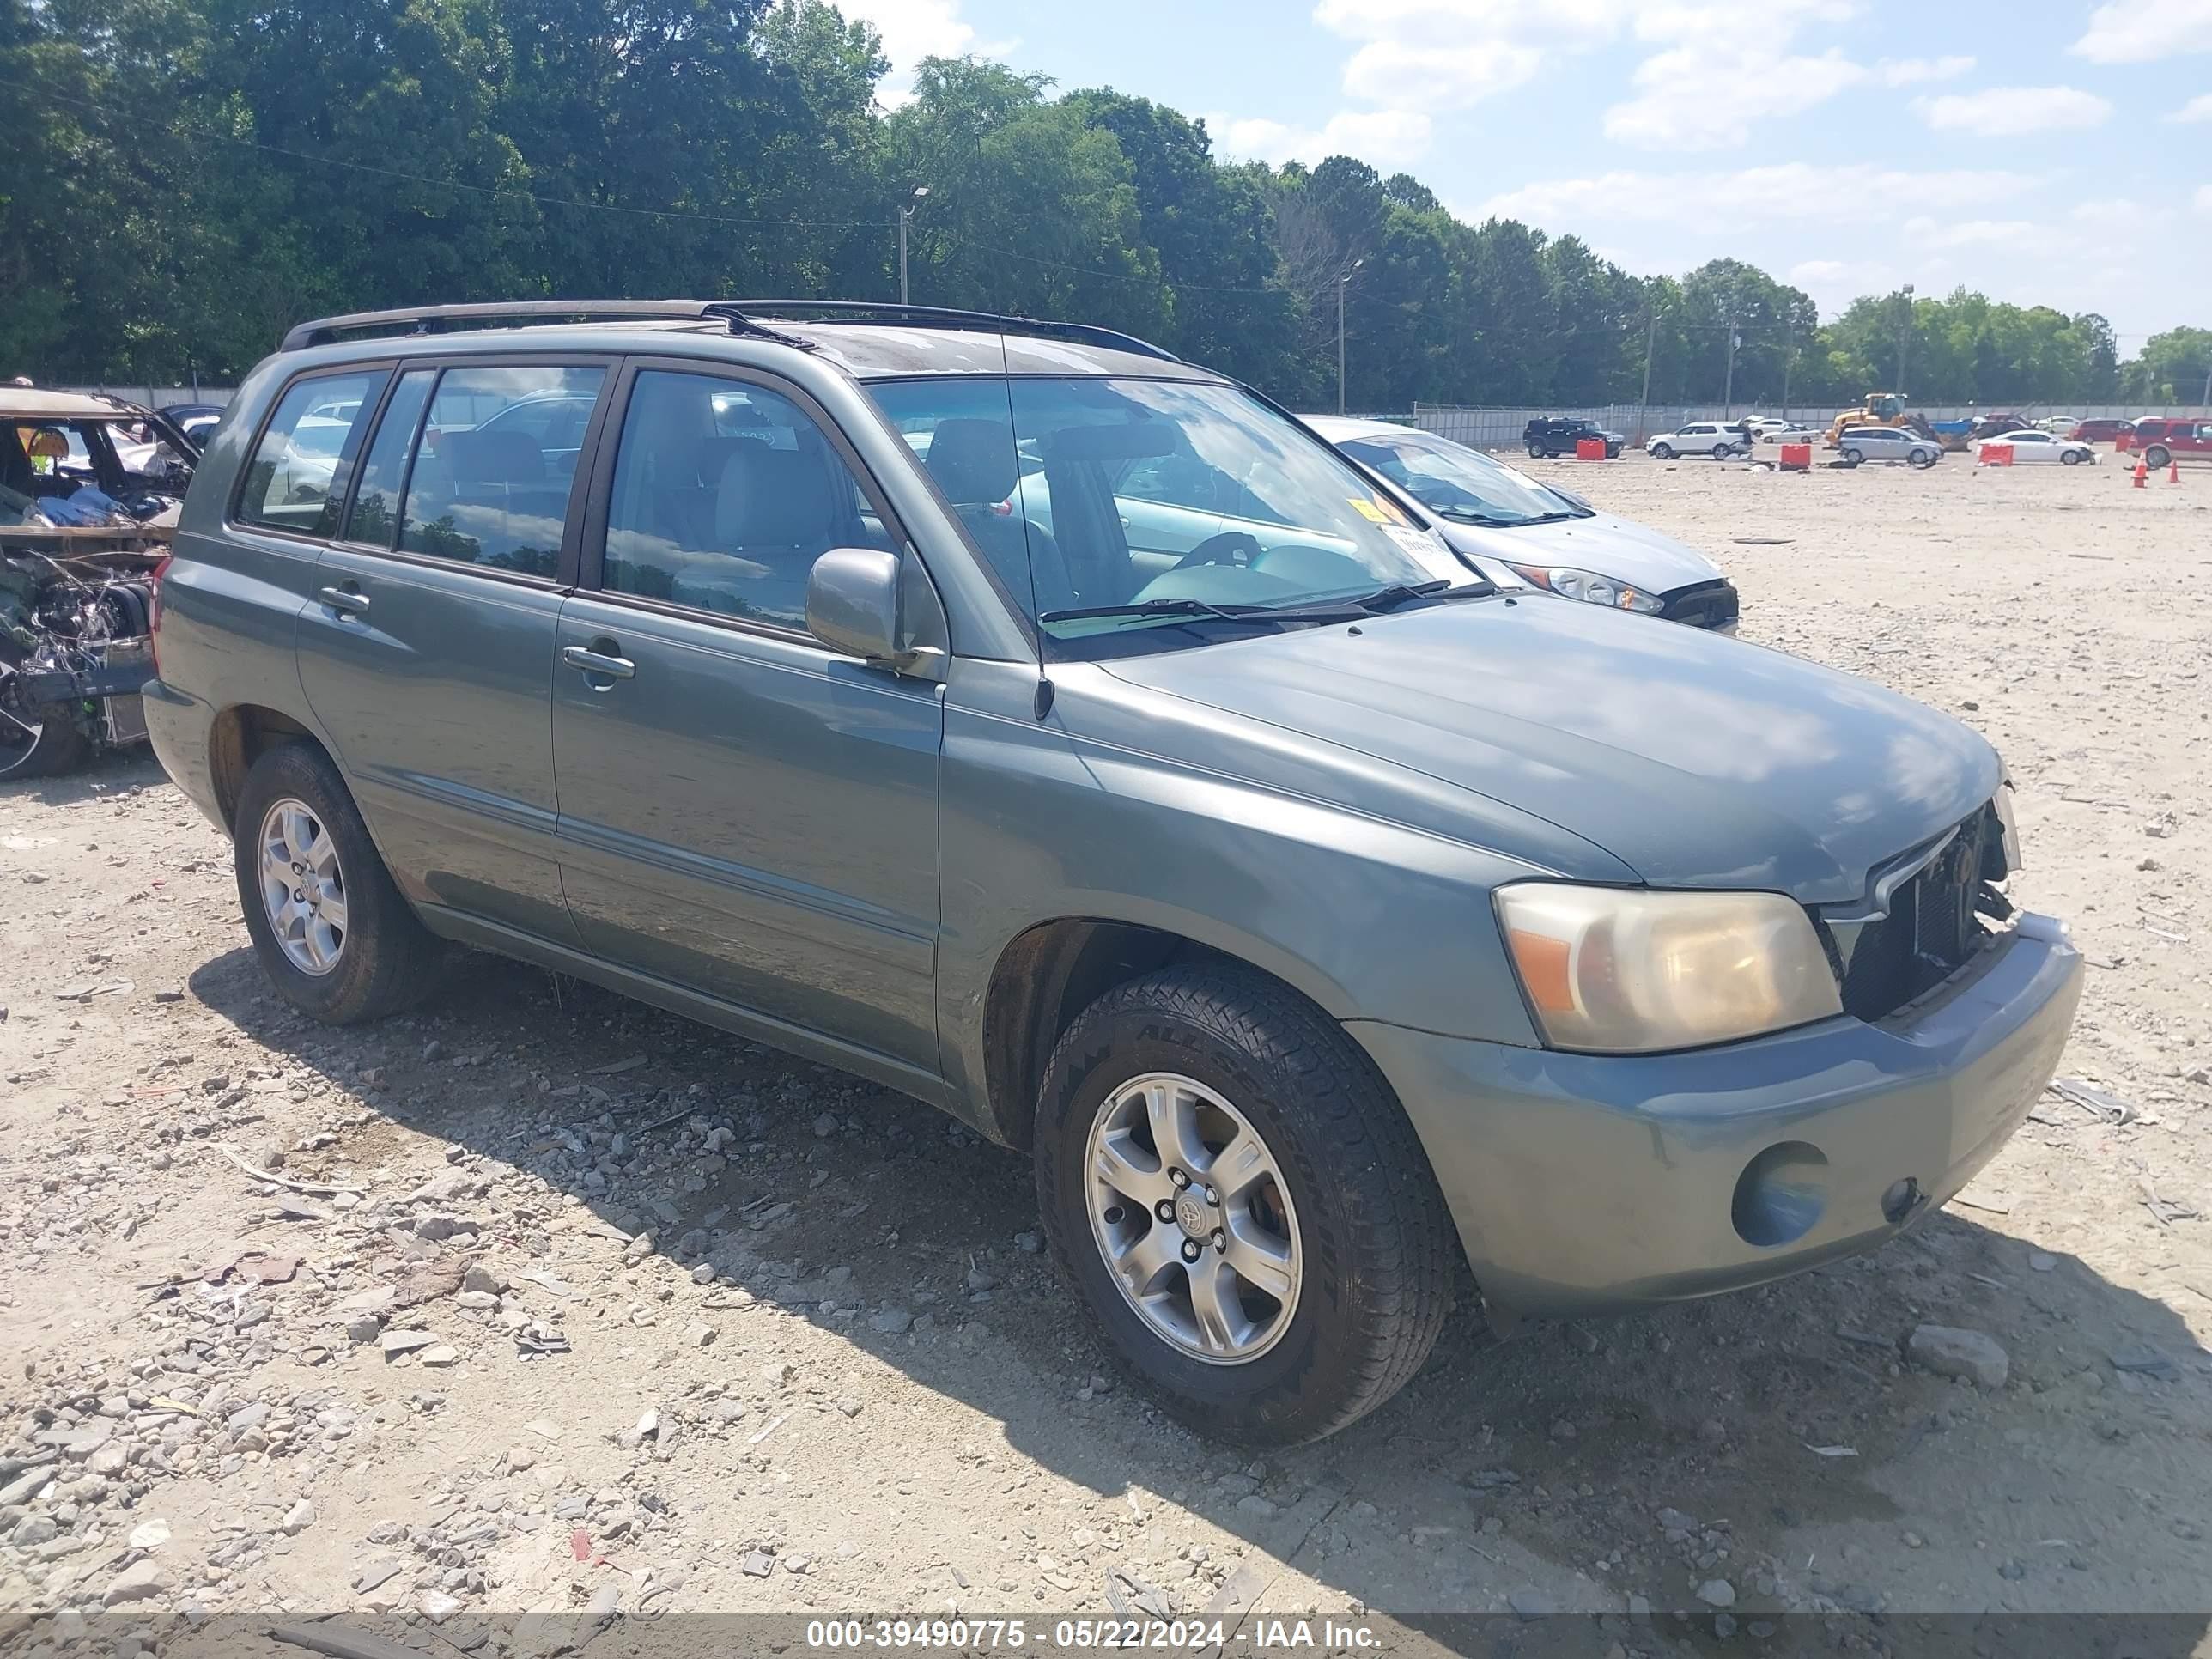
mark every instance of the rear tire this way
{"type": "Point", "coordinates": [57, 746]}
{"type": "Point", "coordinates": [383, 959]}
{"type": "Point", "coordinates": [1346, 1200]}
{"type": "Point", "coordinates": [1722, 452]}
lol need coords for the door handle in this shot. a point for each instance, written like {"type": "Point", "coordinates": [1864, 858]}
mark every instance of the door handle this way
{"type": "Point", "coordinates": [347, 601]}
{"type": "Point", "coordinates": [593, 662]}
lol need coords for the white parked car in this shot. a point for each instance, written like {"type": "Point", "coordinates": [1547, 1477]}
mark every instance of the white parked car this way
{"type": "Point", "coordinates": [1517, 531]}
{"type": "Point", "coordinates": [2031, 447]}
{"type": "Point", "coordinates": [1717, 439]}
{"type": "Point", "coordinates": [1791, 432]}
{"type": "Point", "coordinates": [1887, 443]}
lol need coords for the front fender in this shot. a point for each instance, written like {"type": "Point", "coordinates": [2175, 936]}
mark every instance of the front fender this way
{"type": "Point", "coordinates": [1081, 815]}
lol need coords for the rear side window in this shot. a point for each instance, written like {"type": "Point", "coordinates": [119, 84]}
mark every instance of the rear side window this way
{"type": "Point", "coordinates": [296, 480]}
{"type": "Point", "coordinates": [376, 498]}
{"type": "Point", "coordinates": [489, 485]}
{"type": "Point", "coordinates": [724, 497]}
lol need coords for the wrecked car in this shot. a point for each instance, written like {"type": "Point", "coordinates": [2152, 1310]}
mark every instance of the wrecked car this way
{"type": "Point", "coordinates": [90, 487]}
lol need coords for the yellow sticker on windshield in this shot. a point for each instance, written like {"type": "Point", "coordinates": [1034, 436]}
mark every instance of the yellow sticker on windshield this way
{"type": "Point", "coordinates": [1367, 509]}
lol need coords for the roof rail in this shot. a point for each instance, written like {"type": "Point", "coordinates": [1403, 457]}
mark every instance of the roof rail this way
{"type": "Point", "coordinates": [426, 319]}
{"type": "Point", "coordinates": [950, 317]}
{"type": "Point", "coordinates": [735, 313]}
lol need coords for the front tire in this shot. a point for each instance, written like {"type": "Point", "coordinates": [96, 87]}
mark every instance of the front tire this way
{"type": "Point", "coordinates": [1301, 1278]}
{"type": "Point", "coordinates": [1852, 458]}
{"type": "Point", "coordinates": [1924, 459]}
{"type": "Point", "coordinates": [1537, 452]}
{"type": "Point", "coordinates": [1661, 453]}
{"type": "Point", "coordinates": [2157, 456]}
{"type": "Point", "coordinates": [2069, 457]}
{"type": "Point", "coordinates": [334, 935]}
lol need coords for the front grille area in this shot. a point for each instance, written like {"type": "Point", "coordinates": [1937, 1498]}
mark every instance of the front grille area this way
{"type": "Point", "coordinates": [1934, 926]}
{"type": "Point", "coordinates": [1709, 604]}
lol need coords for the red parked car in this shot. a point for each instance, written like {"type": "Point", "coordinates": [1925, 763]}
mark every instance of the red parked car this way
{"type": "Point", "coordinates": [2098, 431]}
{"type": "Point", "coordinates": [2160, 441]}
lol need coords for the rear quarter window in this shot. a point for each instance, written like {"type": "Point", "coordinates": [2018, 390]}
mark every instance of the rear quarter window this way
{"type": "Point", "coordinates": [296, 480]}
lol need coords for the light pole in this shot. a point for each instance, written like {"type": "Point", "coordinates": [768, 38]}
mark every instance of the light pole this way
{"type": "Point", "coordinates": [1342, 282]}
{"type": "Point", "coordinates": [906, 214]}
{"type": "Point", "coordinates": [1904, 334]}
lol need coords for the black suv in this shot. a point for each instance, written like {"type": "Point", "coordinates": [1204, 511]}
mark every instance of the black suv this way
{"type": "Point", "coordinates": [1555, 435]}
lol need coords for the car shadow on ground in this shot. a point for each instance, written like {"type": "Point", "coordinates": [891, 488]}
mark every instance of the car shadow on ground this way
{"type": "Point", "coordinates": [1775, 1439]}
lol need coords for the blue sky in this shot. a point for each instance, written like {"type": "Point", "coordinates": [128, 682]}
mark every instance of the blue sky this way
{"type": "Point", "coordinates": [2050, 151]}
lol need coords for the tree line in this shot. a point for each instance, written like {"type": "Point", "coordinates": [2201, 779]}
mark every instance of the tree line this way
{"type": "Point", "coordinates": [190, 177]}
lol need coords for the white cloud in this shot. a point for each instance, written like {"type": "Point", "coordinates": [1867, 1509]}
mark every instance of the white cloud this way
{"type": "Point", "coordinates": [1408, 75]}
{"type": "Point", "coordinates": [2012, 111]}
{"type": "Point", "coordinates": [2198, 109]}
{"type": "Point", "coordinates": [2118, 214]}
{"type": "Point", "coordinates": [2134, 33]}
{"type": "Point", "coordinates": [1856, 193]}
{"type": "Point", "coordinates": [1717, 77]}
{"type": "Point", "coordinates": [1387, 139]}
{"type": "Point", "coordinates": [1917, 72]}
{"type": "Point", "coordinates": [915, 29]}
{"type": "Point", "coordinates": [1458, 22]}
{"type": "Point", "coordinates": [1709, 94]}
{"type": "Point", "coordinates": [2020, 234]}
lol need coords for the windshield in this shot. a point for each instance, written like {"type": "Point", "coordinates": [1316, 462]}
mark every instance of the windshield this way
{"type": "Point", "coordinates": [1164, 510]}
{"type": "Point", "coordinates": [1454, 482]}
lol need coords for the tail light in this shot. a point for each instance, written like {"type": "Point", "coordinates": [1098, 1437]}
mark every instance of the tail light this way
{"type": "Point", "coordinates": [153, 611]}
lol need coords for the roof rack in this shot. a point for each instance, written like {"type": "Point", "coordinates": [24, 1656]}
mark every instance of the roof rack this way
{"type": "Point", "coordinates": [950, 317]}
{"type": "Point", "coordinates": [735, 313]}
{"type": "Point", "coordinates": [426, 319]}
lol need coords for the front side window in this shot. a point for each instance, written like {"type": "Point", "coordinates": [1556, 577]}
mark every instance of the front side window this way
{"type": "Point", "coordinates": [1454, 482]}
{"type": "Point", "coordinates": [297, 479]}
{"type": "Point", "coordinates": [1142, 506]}
{"type": "Point", "coordinates": [724, 497]}
{"type": "Point", "coordinates": [485, 488]}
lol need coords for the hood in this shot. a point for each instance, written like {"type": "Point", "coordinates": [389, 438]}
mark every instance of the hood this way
{"type": "Point", "coordinates": [1696, 761]}
{"type": "Point", "coordinates": [1604, 543]}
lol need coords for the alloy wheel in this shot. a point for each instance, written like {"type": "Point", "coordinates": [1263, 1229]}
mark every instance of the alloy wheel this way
{"type": "Point", "coordinates": [302, 886]}
{"type": "Point", "coordinates": [1191, 1213]}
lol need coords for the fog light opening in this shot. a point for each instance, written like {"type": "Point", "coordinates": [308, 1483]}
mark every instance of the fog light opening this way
{"type": "Point", "coordinates": [1781, 1195]}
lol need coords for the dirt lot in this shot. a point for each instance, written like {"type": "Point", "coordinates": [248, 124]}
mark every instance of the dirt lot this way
{"type": "Point", "coordinates": [840, 1377]}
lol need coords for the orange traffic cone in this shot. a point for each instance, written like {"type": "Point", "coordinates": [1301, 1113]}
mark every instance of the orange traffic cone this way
{"type": "Point", "coordinates": [2173, 471]}
{"type": "Point", "coordinates": [2142, 472]}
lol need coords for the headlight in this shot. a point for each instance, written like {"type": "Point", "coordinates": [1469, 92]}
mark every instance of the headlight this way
{"type": "Point", "coordinates": [1573, 584]}
{"type": "Point", "coordinates": [1621, 970]}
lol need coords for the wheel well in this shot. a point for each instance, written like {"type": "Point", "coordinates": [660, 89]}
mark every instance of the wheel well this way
{"type": "Point", "coordinates": [1043, 980]}
{"type": "Point", "coordinates": [241, 735]}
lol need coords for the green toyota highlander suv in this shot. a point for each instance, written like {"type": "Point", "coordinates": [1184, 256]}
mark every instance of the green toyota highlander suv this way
{"type": "Point", "coordinates": [1058, 731]}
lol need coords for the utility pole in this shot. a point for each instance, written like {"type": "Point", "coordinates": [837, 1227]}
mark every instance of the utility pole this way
{"type": "Point", "coordinates": [1904, 334]}
{"type": "Point", "coordinates": [905, 216]}
{"type": "Point", "coordinates": [1643, 403]}
{"type": "Point", "coordinates": [1342, 282]}
{"type": "Point", "coordinates": [1789, 362]}
{"type": "Point", "coordinates": [1728, 388]}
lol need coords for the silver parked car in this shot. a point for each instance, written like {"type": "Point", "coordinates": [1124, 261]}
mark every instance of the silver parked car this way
{"type": "Point", "coordinates": [1324, 930]}
{"type": "Point", "coordinates": [1495, 515]}
{"type": "Point", "coordinates": [1857, 445]}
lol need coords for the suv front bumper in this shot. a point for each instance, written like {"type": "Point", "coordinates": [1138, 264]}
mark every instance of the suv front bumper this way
{"type": "Point", "coordinates": [1585, 1182]}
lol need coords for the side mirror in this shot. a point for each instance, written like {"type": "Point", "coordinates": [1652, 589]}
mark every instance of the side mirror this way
{"type": "Point", "coordinates": [859, 602]}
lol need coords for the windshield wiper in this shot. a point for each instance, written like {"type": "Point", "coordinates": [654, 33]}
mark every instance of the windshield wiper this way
{"type": "Point", "coordinates": [1487, 520]}
{"type": "Point", "coordinates": [1158, 608]}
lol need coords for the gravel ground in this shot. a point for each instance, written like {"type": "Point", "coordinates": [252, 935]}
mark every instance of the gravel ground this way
{"type": "Point", "coordinates": [611, 1309]}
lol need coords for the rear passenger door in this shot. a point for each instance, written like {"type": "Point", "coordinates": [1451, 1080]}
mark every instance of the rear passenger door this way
{"type": "Point", "coordinates": [428, 650]}
{"type": "Point", "coordinates": [744, 812]}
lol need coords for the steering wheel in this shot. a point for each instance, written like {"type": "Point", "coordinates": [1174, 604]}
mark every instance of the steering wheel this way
{"type": "Point", "coordinates": [1221, 547]}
